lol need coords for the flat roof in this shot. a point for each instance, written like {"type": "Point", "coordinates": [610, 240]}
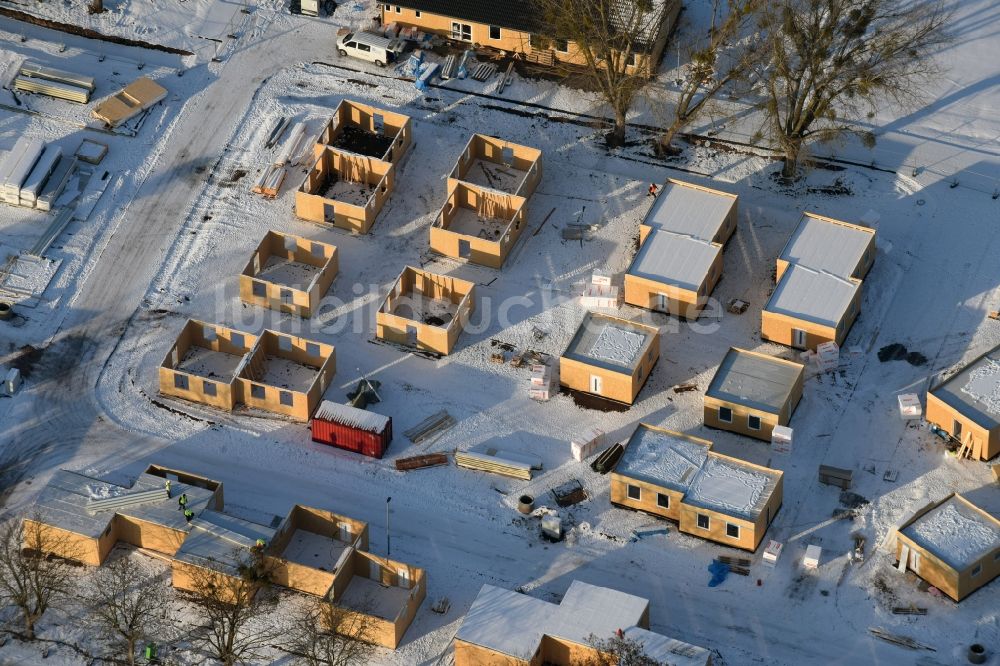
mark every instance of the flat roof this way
{"type": "Point", "coordinates": [732, 487]}
{"type": "Point", "coordinates": [513, 624]}
{"type": "Point", "coordinates": [827, 245]}
{"type": "Point", "coordinates": [816, 296]}
{"type": "Point", "coordinates": [215, 538]}
{"type": "Point", "coordinates": [674, 259]}
{"type": "Point", "coordinates": [974, 391]}
{"type": "Point", "coordinates": [614, 344]}
{"type": "Point", "coordinates": [690, 210]}
{"type": "Point", "coordinates": [64, 502]}
{"type": "Point", "coordinates": [665, 650]}
{"type": "Point", "coordinates": [757, 381]}
{"type": "Point", "coordinates": [662, 458]}
{"type": "Point", "coordinates": [955, 533]}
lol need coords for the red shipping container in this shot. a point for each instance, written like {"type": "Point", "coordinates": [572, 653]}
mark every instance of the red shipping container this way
{"type": "Point", "coordinates": [352, 429]}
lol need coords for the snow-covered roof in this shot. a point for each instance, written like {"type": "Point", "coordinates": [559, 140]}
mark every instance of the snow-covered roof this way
{"type": "Point", "coordinates": [675, 259]}
{"type": "Point", "coordinates": [216, 538]}
{"type": "Point", "coordinates": [827, 245]}
{"type": "Point", "coordinates": [975, 390]}
{"type": "Point", "coordinates": [615, 344]}
{"type": "Point", "coordinates": [812, 295]}
{"type": "Point", "coordinates": [690, 210]}
{"type": "Point", "coordinates": [64, 502]}
{"type": "Point", "coordinates": [351, 417]}
{"type": "Point", "coordinates": [732, 487]}
{"type": "Point", "coordinates": [757, 381]}
{"type": "Point", "coordinates": [955, 533]}
{"type": "Point", "coordinates": [513, 624]}
{"type": "Point", "coordinates": [662, 457]}
{"type": "Point", "coordinates": [668, 651]}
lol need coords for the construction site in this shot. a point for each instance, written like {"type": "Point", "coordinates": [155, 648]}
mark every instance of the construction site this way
{"type": "Point", "coordinates": [470, 377]}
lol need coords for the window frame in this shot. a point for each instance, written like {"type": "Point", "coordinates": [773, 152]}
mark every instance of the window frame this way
{"type": "Point", "coordinates": [629, 487]}
{"type": "Point", "coordinates": [733, 526]}
{"type": "Point", "coordinates": [729, 410]}
{"type": "Point", "coordinates": [750, 423]}
{"type": "Point", "coordinates": [663, 500]}
{"type": "Point", "coordinates": [499, 32]}
{"type": "Point", "coordinates": [708, 521]}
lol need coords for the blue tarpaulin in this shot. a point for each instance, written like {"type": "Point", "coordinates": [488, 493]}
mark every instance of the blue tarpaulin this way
{"type": "Point", "coordinates": [719, 572]}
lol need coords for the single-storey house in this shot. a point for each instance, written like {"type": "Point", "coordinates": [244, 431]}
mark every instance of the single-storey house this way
{"type": "Point", "coordinates": [486, 208]}
{"type": "Point", "coordinates": [514, 629]}
{"type": "Point", "coordinates": [952, 544]}
{"type": "Point", "coordinates": [517, 27]}
{"type": "Point", "coordinates": [425, 310]}
{"type": "Point", "coordinates": [709, 495]}
{"type": "Point", "coordinates": [967, 407]}
{"type": "Point", "coordinates": [819, 275]}
{"type": "Point", "coordinates": [289, 273]}
{"type": "Point", "coordinates": [311, 551]}
{"type": "Point", "coordinates": [610, 357]}
{"type": "Point", "coordinates": [753, 392]}
{"type": "Point", "coordinates": [222, 367]}
{"type": "Point", "coordinates": [679, 261]}
{"type": "Point", "coordinates": [353, 168]}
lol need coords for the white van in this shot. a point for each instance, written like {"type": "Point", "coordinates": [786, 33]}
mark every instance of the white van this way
{"type": "Point", "coordinates": [371, 47]}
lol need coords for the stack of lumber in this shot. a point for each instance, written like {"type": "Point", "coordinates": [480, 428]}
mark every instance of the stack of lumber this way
{"type": "Point", "coordinates": [430, 427]}
{"type": "Point", "coordinates": [132, 100]}
{"type": "Point", "coordinates": [419, 462]}
{"type": "Point", "coordinates": [54, 82]}
{"type": "Point", "coordinates": [507, 463]}
{"type": "Point", "coordinates": [269, 183]}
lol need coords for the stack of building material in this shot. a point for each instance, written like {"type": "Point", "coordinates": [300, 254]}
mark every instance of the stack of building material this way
{"type": "Point", "coordinates": [430, 428]}
{"type": "Point", "coordinates": [421, 461]}
{"type": "Point", "coordinates": [599, 296]}
{"type": "Point", "coordinates": [56, 183]}
{"type": "Point", "coordinates": [12, 381]}
{"type": "Point", "coordinates": [124, 105]}
{"type": "Point", "coordinates": [587, 443]}
{"type": "Point", "coordinates": [811, 559]}
{"type": "Point", "coordinates": [91, 152]}
{"type": "Point", "coordinates": [827, 356]}
{"type": "Point", "coordinates": [507, 463]}
{"type": "Point", "coordinates": [772, 552]}
{"type": "Point", "coordinates": [781, 439]}
{"type": "Point", "coordinates": [540, 383]}
{"type": "Point", "coordinates": [909, 406]}
{"type": "Point", "coordinates": [32, 187]}
{"type": "Point", "coordinates": [290, 149]}
{"type": "Point", "coordinates": [16, 167]}
{"type": "Point", "coordinates": [54, 82]}
{"type": "Point", "coordinates": [269, 183]}
{"type": "Point", "coordinates": [600, 278]}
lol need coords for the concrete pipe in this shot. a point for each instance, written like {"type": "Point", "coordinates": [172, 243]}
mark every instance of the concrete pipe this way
{"type": "Point", "coordinates": [977, 654]}
{"type": "Point", "coordinates": [6, 310]}
{"type": "Point", "coordinates": [526, 504]}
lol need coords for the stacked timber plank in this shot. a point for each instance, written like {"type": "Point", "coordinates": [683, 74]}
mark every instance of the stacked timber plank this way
{"type": "Point", "coordinates": [35, 78]}
{"type": "Point", "coordinates": [421, 461]}
{"type": "Point", "coordinates": [132, 100]}
{"type": "Point", "coordinates": [430, 427]}
{"type": "Point", "coordinates": [494, 464]}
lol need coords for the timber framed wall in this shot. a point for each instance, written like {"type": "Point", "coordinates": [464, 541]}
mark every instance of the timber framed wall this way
{"type": "Point", "coordinates": [756, 389]}
{"type": "Point", "coordinates": [681, 241]}
{"type": "Point", "coordinates": [477, 224]}
{"type": "Point", "coordinates": [527, 38]}
{"type": "Point", "coordinates": [184, 376]}
{"type": "Point", "coordinates": [263, 388]}
{"type": "Point", "coordinates": [581, 370]}
{"type": "Point", "coordinates": [967, 417]}
{"type": "Point", "coordinates": [417, 299]}
{"type": "Point", "coordinates": [819, 278]}
{"type": "Point", "coordinates": [957, 578]}
{"type": "Point", "coordinates": [267, 286]}
{"type": "Point", "coordinates": [361, 144]}
{"type": "Point", "coordinates": [504, 154]}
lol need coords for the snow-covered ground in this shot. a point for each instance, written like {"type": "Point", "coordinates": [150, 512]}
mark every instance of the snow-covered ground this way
{"type": "Point", "coordinates": [170, 241]}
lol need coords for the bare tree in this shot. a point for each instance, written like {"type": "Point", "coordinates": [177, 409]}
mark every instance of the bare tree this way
{"type": "Point", "coordinates": [324, 633]}
{"type": "Point", "coordinates": [612, 38]}
{"type": "Point", "coordinates": [126, 605]}
{"type": "Point", "coordinates": [833, 61]}
{"type": "Point", "coordinates": [32, 577]}
{"type": "Point", "coordinates": [235, 608]}
{"type": "Point", "coordinates": [727, 54]}
{"type": "Point", "coordinates": [619, 650]}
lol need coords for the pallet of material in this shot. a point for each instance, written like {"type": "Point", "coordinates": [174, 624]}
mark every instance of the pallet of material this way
{"type": "Point", "coordinates": [269, 183]}
{"type": "Point", "coordinates": [52, 89]}
{"type": "Point", "coordinates": [124, 105]}
{"type": "Point", "coordinates": [420, 462]}
{"type": "Point", "coordinates": [430, 427]}
{"type": "Point", "coordinates": [56, 183]}
{"type": "Point", "coordinates": [16, 166]}
{"type": "Point", "coordinates": [34, 70]}
{"type": "Point", "coordinates": [494, 464]}
{"type": "Point", "coordinates": [36, 180]}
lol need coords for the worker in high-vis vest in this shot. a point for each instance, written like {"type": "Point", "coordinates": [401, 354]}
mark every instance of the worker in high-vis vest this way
{"type": "Point", "coordinates": [188, 515]}
{"type": "Point", "coordinates": [167, 486]}
{"type": "Point", "coordinates": [182, 501]}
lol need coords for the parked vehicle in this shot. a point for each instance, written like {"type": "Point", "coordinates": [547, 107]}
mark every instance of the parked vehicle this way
{"type": "Point", "coordinates": [371, 47]}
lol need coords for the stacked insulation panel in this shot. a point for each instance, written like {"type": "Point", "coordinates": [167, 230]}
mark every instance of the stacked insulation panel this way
{"type": "Point", "coordinates": [54, 82]}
